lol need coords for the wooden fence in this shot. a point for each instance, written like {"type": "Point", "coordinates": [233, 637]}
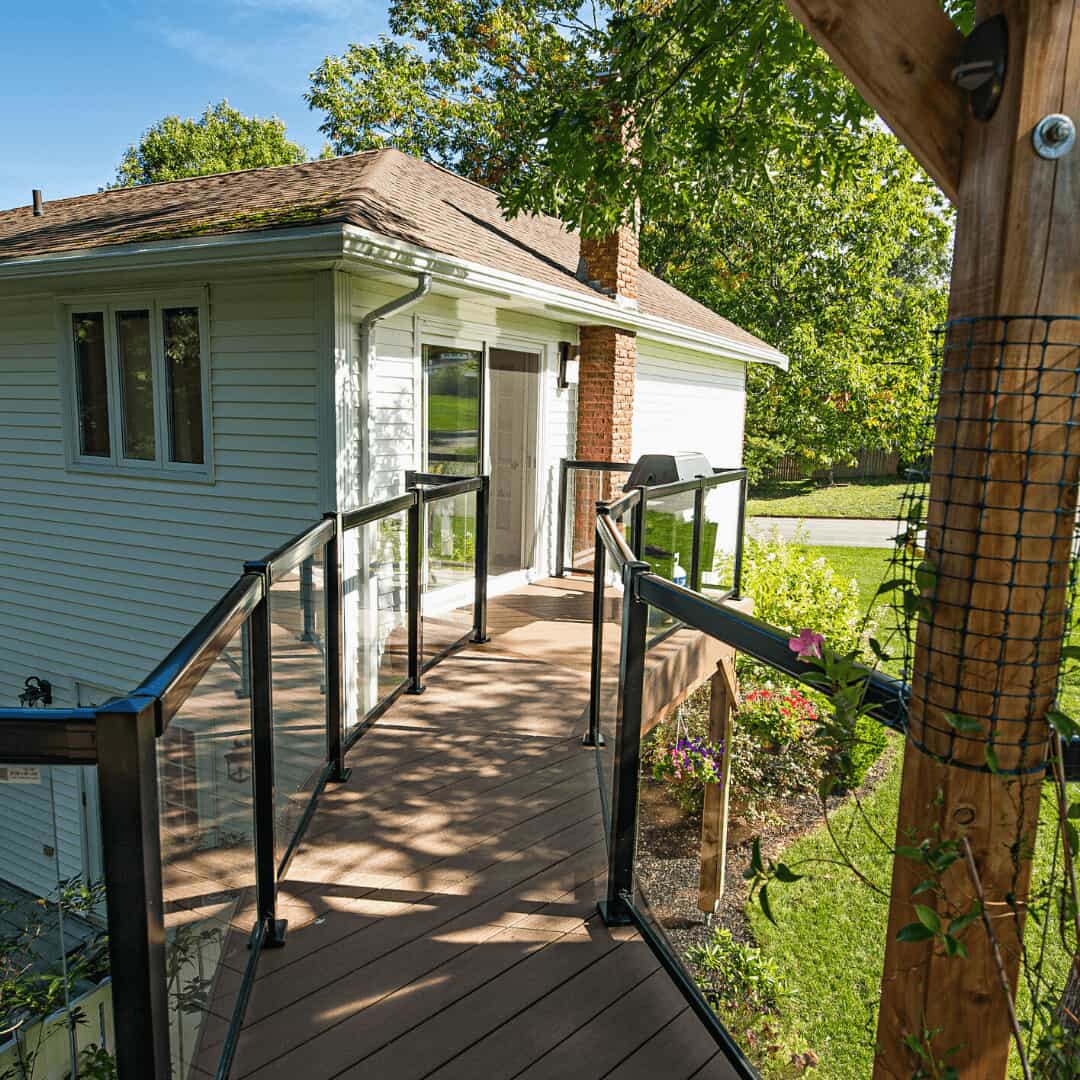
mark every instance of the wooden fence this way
{"type": "Point", "coordinates": [870, 463]}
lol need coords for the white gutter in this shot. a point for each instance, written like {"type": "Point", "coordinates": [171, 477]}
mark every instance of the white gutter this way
{"type": "Point", "coordinates": [331, 244]}
{"type": "Point", "coordinates": [374, 249]}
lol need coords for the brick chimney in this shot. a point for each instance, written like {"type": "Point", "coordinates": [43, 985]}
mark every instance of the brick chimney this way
{"type": "Point", "coordinates": [608, 354]}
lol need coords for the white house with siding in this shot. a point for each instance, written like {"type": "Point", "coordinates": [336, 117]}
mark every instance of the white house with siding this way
{"type": "Point", "coordinates": [190, 374]}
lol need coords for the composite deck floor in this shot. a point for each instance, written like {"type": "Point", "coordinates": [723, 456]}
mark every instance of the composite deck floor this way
{"type": "Point", "coordinates": [442, 906]}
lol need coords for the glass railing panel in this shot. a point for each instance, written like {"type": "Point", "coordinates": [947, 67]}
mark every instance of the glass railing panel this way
{"type": "Point", "coordinates": [669, 546]}
{"type": "Point", "coordinates": [449, 577]}
{"type": "Point", "coordinates": [584, 489]}
{"type": "Point", "coordinates": [56, 1010]}
{"type": "Point", "coordinates": [680, 835]}
{"type": "Point", "coordinates": [719, 536]}
{"type": "Point", "coordinates": [206, 805]}
{"type": "Point", "coordinates": [298, 663]}
{"type": "Point", "coordinates": [376, 622]}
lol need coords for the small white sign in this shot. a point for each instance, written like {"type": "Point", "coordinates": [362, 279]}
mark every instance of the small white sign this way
{"type": "Point", "coordinates": [20, 774]}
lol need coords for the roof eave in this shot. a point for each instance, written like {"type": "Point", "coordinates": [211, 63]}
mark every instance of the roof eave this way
{"type": "Point", "coordinates": [343, 244]}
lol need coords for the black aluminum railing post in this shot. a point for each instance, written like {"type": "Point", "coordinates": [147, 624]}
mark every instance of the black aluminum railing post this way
{"type": "Point", "coordinates": [560, 525]}
{"type": "Point", "coordinates": [415, 568]}
{"type": "Point", "coordinates": [480, 634]}
{"type": "Point", "coordinates": [593, 735]}
{"type": "Point", "coordinates": [740, 531]}
{"type": "Point", "coordinates": [334, 589]}
{"type": "Point", "coordinates": [262, 761]}
{"type": "Point", "coordinates": [699, 528]}
{"type": "Point", "coordinates": [131, 842]}
{"type": "Point", "coordinates": [622, 841]}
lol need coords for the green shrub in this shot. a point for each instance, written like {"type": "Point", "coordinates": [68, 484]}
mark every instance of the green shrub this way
{"type": "Point", "coordinates": [737, 974]}
{"type": "Point", "coordinates": [795, 591]}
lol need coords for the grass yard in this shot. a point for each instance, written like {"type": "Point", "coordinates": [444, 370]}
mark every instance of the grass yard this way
{"type": "Point", "coordinates": [829, 936]}
{"type": "Point", "coordinates": [876, 498]}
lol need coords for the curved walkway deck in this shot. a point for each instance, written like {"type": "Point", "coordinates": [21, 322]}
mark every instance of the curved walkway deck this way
{"type": "Point", "coordinates": [442, 906]}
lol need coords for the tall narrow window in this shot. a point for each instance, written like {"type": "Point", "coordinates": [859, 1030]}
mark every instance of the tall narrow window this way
{"type": "Point", "coordinates": [183, 373]}
{"type": "Point", "coordinates": [452, 385]}
{"type": "Point", "coordinates": [92, 383]}
{"type": "Point", "coordinates": [136, 384]}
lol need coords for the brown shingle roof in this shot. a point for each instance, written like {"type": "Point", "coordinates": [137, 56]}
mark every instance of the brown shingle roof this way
{"type": "Point", "coordinates": [385, 191]}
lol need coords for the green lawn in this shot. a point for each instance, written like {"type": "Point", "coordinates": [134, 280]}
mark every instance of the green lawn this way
{"type": "Point", "coordinates": [878, 498]}
{"type": "Point", "coordinates": [829, 936]}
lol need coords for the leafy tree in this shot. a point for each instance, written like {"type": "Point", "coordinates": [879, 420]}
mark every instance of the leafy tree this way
{"type": "Point", "coordinates": [221, 140]}
{"type": "Point", "coordinates": [847, 277]}
{"type": "Point", "coordinates": [766, 190]}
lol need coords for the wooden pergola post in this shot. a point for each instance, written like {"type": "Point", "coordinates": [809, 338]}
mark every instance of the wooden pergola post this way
{"type": "Point", "coordinates": [1002, 500]}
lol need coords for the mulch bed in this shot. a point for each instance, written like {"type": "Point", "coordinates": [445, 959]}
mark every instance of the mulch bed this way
{"type": "Point", "coordinates": [669, 856]}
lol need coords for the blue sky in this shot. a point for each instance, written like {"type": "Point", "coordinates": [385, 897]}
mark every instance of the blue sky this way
{"type": "Point", "coordinates": [80, 80]}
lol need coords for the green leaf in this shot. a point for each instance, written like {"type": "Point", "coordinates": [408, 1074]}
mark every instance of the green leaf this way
{"type": "Point", "coordinates": [924, 886]}
{"type": "Point", "coordinates": [1073, 837]}
{"type": "Point", "coordinates": [954, 947]}
{"type": "Point", "coordinates": [962, 922]}
{"type": "Point", "coordinates": [992, 759]}
{"type": "Point", "coordinates": [962, 723]}
{"type": "Point", "coordinates": [1070, 652]}
{"type": "Point", "coordinates": [914, 932]}
{"type": "Point", "coordinates": [786, 874]}
{"type": "Point", "coordinates": [929, 918]}
{"type": "Point", "coordinates": [878, 651]}
{"type": "Point", "coordinates": [908, 852]}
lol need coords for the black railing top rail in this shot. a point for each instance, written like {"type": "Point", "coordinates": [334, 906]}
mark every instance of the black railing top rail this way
{"type": "Point", "coordinates": [286, 558]}
{"type": "Point", "coordinates": [613, 539]}
{"type": "Point", "coordinates": [678, 487]}
{"type": "Point", "coordinates": [48, 736]}
{"type": "Point", "coordinates": [760, 640]}
{"type": "Point", "coordinates": [172, 682]}
{"type": "Point", "coordinates": [449, 489]}
{"type": "Point", "coordinates": [365, 515]}
{"type": "Point", "coordinates": [598, 466]}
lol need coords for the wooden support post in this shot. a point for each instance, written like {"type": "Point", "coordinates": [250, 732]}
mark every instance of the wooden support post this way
{"type": "Point", "coordinates": [1001, 515]}
{"type": "Point", "coordinates": [723, 703]}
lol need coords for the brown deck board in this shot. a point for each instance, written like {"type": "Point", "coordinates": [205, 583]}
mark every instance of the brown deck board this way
{"type": "Point", "coordinates": [442, 905]}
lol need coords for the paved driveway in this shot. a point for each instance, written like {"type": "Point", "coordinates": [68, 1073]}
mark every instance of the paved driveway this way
{"type": "Point", "coordinates": [831, 532]}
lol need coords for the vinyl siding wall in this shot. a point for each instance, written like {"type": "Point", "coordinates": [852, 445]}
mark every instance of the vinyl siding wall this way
{"type": "Point", "coordinates": [101, 575]}
{"type": "Point", "coordinates": [685, 401]}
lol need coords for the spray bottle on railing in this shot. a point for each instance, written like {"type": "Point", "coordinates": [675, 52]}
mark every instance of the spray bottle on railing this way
{"type": "Point", "coordinates": [678, 574]}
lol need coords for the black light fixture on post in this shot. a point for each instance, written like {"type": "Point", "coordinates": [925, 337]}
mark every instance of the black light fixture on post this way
{"type": "Point", "coordinates": [569, 361]}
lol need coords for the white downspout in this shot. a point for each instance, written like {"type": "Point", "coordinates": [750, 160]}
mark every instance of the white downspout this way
{"type": "Point", "coordinates": [367, 358]}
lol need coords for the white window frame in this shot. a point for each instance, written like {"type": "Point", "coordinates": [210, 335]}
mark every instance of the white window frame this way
{"type": "Point", "coordinates": [108, 304]}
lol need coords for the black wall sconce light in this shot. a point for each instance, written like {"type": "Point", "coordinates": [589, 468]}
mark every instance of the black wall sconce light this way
{"type": "Point", "coordinates": [238, 761]}
{"type": "Point", "coordinates": [569, 364]}
{"type": "Point", "coordinates": [38, 691]}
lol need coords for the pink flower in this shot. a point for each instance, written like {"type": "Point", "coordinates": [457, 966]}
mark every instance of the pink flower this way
{"type": "Point", "coordinates": [807, 646]}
